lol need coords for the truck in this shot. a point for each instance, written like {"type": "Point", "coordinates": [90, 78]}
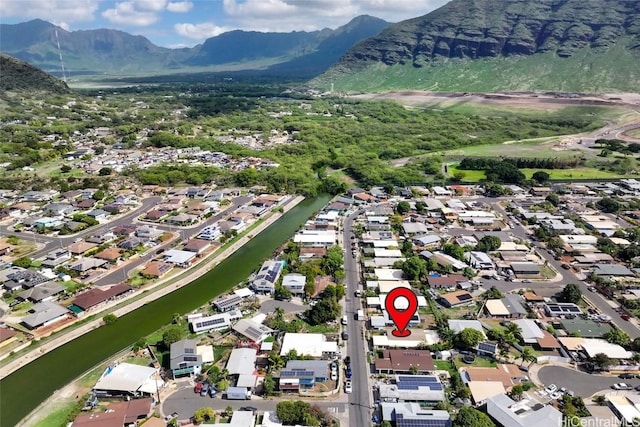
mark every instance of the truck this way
{"type": "Point", "coordinates": [360, 315]}
{"type": "Point", "coordinates": [238, 393]}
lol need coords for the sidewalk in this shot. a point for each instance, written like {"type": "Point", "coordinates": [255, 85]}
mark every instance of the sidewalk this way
{"type": "Point", "coordinates": [197, 271]}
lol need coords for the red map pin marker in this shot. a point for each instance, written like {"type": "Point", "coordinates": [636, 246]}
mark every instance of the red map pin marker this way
{"type": "Point", "coordinates": [401, 318]}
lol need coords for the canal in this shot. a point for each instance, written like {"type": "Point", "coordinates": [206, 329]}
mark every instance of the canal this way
{"type": "Point", "coordinates": [22, 391]}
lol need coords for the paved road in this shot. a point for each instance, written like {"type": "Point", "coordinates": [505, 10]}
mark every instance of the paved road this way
{"type": "Point", "coordinates": [185, 402]}
{"type": "Point", "coordinates": [360, 407]}
{"type": "Point", "coordinates": [581, 383]}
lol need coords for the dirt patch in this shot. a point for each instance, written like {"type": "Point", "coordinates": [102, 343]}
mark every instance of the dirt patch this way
{"type": "Point", "coordinates": [511, 100]}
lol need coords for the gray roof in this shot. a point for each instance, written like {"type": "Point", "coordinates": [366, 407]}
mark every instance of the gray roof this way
{"type": "Point", "coordinates": [184, 354]}
{"type": "Point", "coordinates": [42, 313]}
{"type": "Point", "coordinates": [252, 330]}
{"type": "Point", "coordinates": [612, 270]}
{"type": "Point", "coordinates": [407, 411]}
{"type": "Point", "coordinates": [513, 303]}
{"type": "Point", "coordinates": [320, 368]}
{"type": "Point", "coordinates": [43, 291]}
{"type": "Point", "coordinates": [242, 361]}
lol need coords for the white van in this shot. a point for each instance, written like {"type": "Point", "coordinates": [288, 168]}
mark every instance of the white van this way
{"type": "Point", "coordinates": [344, 320]}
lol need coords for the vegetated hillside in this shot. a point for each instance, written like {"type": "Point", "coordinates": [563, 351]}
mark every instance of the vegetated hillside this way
{"type": "Point", "coordinates": [19, 76]}
{"type": "Point", "coordinates": [474, 44]}
{"type": "Point", "coordinates": [110, 51]}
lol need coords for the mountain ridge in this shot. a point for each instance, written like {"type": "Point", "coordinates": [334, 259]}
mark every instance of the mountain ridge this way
{"type": "Point", "coordinates": [494, 31]}
{"type": "Point", "coordinates": [113, 51]}
{"type": "Point", "coordinates": [20, 76]}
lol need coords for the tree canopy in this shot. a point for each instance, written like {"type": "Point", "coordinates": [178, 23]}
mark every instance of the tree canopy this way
{"type": "Point", "coordinates": [571, 293]}
{"type": "Point", "coordinates": [470, 417]}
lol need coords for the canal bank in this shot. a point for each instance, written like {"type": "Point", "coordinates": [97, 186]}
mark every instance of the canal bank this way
{"type": "Point", "coordinates": [23, 390]}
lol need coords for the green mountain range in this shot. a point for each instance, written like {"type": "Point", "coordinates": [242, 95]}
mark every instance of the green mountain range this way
{"type": "Point", "coordinates": [19, 76]}
{"type": "Point", "coordinates": [115, 52]}
{"type": "Point", "coordinates": [487, 45]}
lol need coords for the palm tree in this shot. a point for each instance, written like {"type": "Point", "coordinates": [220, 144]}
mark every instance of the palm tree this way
{"type": "Point", "coordinates": [526, 354]}
{"type": "Point", "coordinates": [514, 330]}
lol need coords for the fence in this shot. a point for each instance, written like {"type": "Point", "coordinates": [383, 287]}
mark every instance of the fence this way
{"type": "Point", "coordinates": [555, 359]}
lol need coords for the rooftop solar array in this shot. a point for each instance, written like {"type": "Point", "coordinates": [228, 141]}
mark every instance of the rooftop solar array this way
{"type": "Point", "coordinates": [416, 422]}
{"type": "Point", "coordinates": [563, 308]}
{"type": "Point", "coordinates": [487, 347]}
{"type": "Point", "coordinates": [297, 373]}
{"type": "Point", "coordinates": [414, 383]}
{"type": "Point", "coordinates": [464, 297]}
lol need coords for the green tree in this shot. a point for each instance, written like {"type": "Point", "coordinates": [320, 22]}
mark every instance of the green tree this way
{"type": "Point", "coordinates": [403, 207]}
{"type": "Point", "coordinates": [105, 171]}
{"type": "Point", "coordinates": [489, 244]}
{"type": "Point", "coordinates": [170, 335]}
{"type": "Point", "coordinates": [109, 319]}
{"type": "Point", "coordinates": [602, 361]}
{"type": "Point", "coordinates": [269, 385]}
{"type": "Point", "coordinates": [65, 169]}
{"type": "Point", "coordinates": [333, 261]}
{"type": "Point", "coordinates": [13, 240]}
{"type": "Point", "coordinates": [414, 267]}
{"type": "Point", "coordinates": [292, 412]}
{"type": "Point", "coordinates": [617, 336]}
{"type": "Point", "coordinates": [281, 293]}
{"type": "Point", "coordinates": [493, 293]}
{"type": "Point", "coordinates": [526, 354]}
{"type": "Point", "coordinates": [23, 262]}
{"type": "Point", "coordinates": [600, 400]}
{"type": "Point", "coordinates": [470, 417]}
{"type": "Point", "coordinates": [540, 176]}
{"type": "Point", "coordinates": [469, 272]}
{"type": "Point", "coordinates": [203, 414]}
{"type": "Point", "coordinates": [222, 385]}
{"type": "Point", "coordinates": [571, 293]}
{"type": "Point", "coordinates": [98, 195]}
{"type": "Point", "coordinates": [516, 392]}
{"type": "Point", "coordinates": [468, 339]}
{"type": "Point", "coordinates": [454, 250]}
{"type": "Point", "coordinates": [553, 199]}
{"type": "Point", "coordinates": [228, 411]}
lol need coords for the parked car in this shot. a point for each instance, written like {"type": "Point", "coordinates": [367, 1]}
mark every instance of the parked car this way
{"type": "Point", "coordinates": [347, 361]}
{"type": "Point", "coordinates": [621, 386]}
{"type": "Point", "coordinates": [197, 388]}
{"type": "Point", "coordinates": [348, 372]}
{"type": "Point", "coordinates": [345, 336]}
{"type": "Point", "coordinates": [212, 391]}
{"type": "Point", "coordinates": [334, 375]}
{"type": "Point", "coordinates": [551, 388]}
{"type": "Point", "coordinates": [347, 387]}
{"type": "Point", "coordinates": [205, 389]}
{"type": "Point", "coordinates": [625, 316]}
{"type": "Point", "coordinates": [637, 388]}
{"type": "Point", "coordinates": [625, 376]}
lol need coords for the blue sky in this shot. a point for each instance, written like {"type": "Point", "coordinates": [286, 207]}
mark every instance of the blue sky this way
{"type": "Point", "coordinates": [178, 23]}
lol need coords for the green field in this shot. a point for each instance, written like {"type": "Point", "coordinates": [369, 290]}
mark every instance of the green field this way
{"type": "Point", "coordinates": [533, 149]}
{"type": "Point", "coordinates": [578, 173]}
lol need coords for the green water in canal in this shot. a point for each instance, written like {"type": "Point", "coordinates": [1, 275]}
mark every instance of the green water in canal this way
{"type": "Point", "coordinates": [22, 391]}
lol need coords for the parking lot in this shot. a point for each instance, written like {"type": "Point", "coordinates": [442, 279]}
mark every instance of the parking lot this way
{"type": "Point", "coordinates": [581, 383]}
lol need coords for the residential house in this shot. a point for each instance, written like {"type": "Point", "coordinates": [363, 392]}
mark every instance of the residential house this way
{"type": "Point", "coordinates": [508, 307]}
{"type": "Point", "coordinates": [179, 258]}
{"type": "Point", "coordinates": [210, 232]}
{"type": "Point", "coordinates": [84, 265]}
{"type": "Point", "coordinates": [110, 254]}
{"type": "Point", "coordinates": [227, 302]}
{"type": "Point", "coordinates": [98, 214]}
{"type": "Point", "coordinates": [56, 257]}
{"type": "Point", "coordinates": [58, 209]}
{"type": "Point", "coordinates": [184, 358]}
{"type": "Point", "coordinates": [156, 215]}
{"type": "Point", "coordinates": [508, 374]}
{"type": "Point", "coordinates": [456, 299]}
{"type": "Point", "coordinates": [405, 362]}
{"type": "Point", "coordinates": [449, 281]}
{"type": "Point", "coordinates": [479, 260]}
{"type": "Point", "coordinates": [24, 279]}
{"type": "Point", "coordinates": [406, 414]}
{"type": "Point", "coordinates": [525, 268]}
{"type": "Point", "coordinates": [527, 413]}
{"type": "Point", "coordinates": [130, 243]}
{"type": "Point", "coordinates": [294, 282]}
{"type": "Point", "coordinates": [79, 248]}
{"type": "Point", "coordinates": [216, 322]}
{"type": "Point", "coordinates": [147, 232]}
{"type": "Point", "coordinates": [267, 276]}
{"type": "Point", "coordinates": [156, 269]}
{"type": "Point", "coordinates": [198, 246]}
{"type": "Point", "coordinates": [125, 230]}
{"type": "Point", "coordinates": [96, 296]}
{"type": "Point", "coordinates": [314, 345]}
{"type": "Point", "coordinates": [252, 330]}
{"type": "Point", "coordinates": [303, 374]}
{"type": "Point", "coordinates": [425, 389]}
{"type": "Point", "coordinates": [181, 220]}
{"type": "Point", "coordinates": [44, 314]}
{"type": "Point", "coordinates": [43, 292]}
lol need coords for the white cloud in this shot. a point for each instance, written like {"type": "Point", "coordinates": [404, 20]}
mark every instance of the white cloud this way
{"type": "Point", "coordinates": [289, 15]}
{"type": "Point", "coordinates": [132, 13]}
{"type": "Point", "coordinates": [51, 10]}
{"type": "Point", "coordinates": [179, 6]}
{"type": "Point", "coordinates": [200, 31]}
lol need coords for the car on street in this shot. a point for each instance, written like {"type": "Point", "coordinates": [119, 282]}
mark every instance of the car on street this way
{"type": "Point", "coordinates": [551, 388]}
{"type": "Point", "coordinates": [637, 388]}
{"type": "Point", "coordinates": [334, 375]}
{"type": "Point", "coordinates": [348, 387]}
{"type": "Point", "coordinates": [625, 376]}
{"type": "Point", "coordinates": [621, 386]}
{"type": "Point", "coordinates": [555, 396]}
{"type": "Point", "coordinates": [345, 336]}
{"type": "Point", "coordinates": [347, 361]}
{"type": "Point", "coordinates": [348, 372]}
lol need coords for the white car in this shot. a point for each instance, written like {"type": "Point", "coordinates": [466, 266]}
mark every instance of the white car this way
{"type": "Point", "coordinates": [621, 386]}
{"type": "Point", "coordinates": [347, 386]}
{"type": "Point", "coordinates": [551, 388]}
{"type": "Point", "coordinates": [555, 396]}
{"type": "Point", "coordinates": [334, 375]}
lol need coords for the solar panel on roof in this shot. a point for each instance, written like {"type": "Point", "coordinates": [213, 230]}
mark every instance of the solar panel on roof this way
{"type": "Point", "coordinates": [464, 297]}
{"type": "Point", "coordinates": [486, 346]}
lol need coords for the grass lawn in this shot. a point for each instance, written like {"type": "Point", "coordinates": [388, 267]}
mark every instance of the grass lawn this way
{"type": "Point", "coordinates": [479, 362]}
{"type": "Point", "coordinates": [547, 272]}
{"type": "Point", "coordinates": [321, 329]}
{"type": "Point", "coordinates": [444, 365]}
{"type": "Point", "coordinates": [219, 352]}
{"type": "Point", "coordinates": [137, 360]}
{"type": "Point", "coordinates": [495, 324]}
{"type": "Point", "coordinates": [577, 173]}
{"type": "Point", "coordinates": [57, 416]}
{"type": "Point", "coordinates": [540, 148]}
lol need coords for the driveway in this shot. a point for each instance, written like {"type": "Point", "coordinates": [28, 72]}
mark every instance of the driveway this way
{"type": "Point", "coordinates": [270, 305]}
{"type": "Point", "coordinates": [581, 383]}
{"type": "Point", "coordinates": [185, 402]}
